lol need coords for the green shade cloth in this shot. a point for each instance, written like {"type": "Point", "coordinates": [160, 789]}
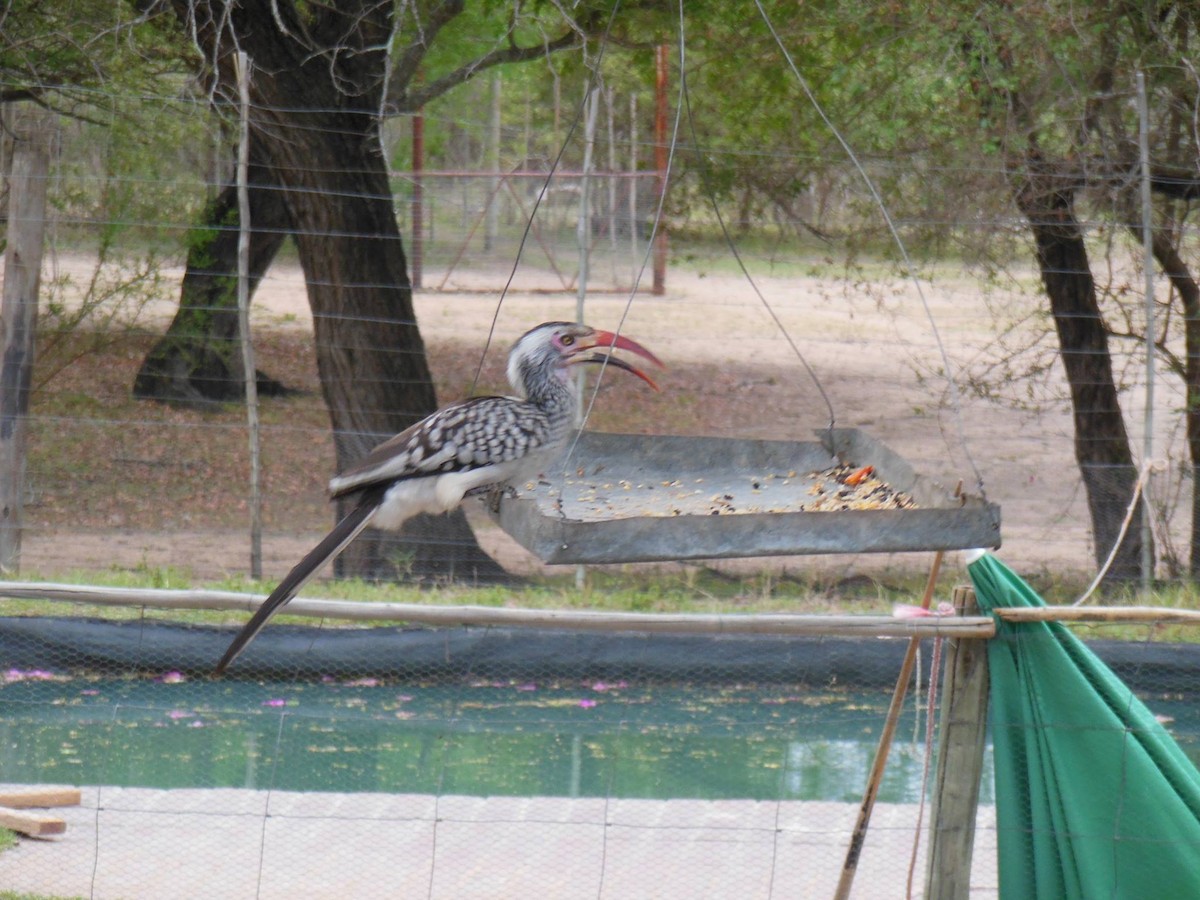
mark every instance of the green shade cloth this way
{"type": "Point", "coordinates": [1093, 798]}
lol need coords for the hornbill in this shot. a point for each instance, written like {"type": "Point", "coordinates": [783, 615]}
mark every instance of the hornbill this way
{"type": "Point", "coordinates": [478, 445]}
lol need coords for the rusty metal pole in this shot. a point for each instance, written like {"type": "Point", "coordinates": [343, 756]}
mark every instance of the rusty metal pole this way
{"type": "Point", "coordinates": [660, 164]}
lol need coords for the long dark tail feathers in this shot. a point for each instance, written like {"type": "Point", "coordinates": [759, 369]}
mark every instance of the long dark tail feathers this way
{"type": "Point", "coordinates": [330, 546]}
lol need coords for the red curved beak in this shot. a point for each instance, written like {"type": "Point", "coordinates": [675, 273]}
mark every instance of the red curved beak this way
{"type": "Point", "coordinates": [619, 342]}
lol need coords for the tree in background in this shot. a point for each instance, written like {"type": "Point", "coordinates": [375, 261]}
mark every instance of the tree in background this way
{"type": "Point", "coordinates": [1053, 90]}
{"type": "Point", "coordinates": [91, 63]}
{"type": "Point", "coordinates": [324, 79]}
{"type": "Point", "coordinates": [962, 114]}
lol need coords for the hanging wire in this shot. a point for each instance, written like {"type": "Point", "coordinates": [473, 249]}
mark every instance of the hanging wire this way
{"type": "Point", "coordinates": [593, 77]}
{"type": "Point", "coordinates": [955, 398]}
{"type": "Point", "coordinates": [706, 181]}
{"type": "Point", "coordinates": [654, 228]}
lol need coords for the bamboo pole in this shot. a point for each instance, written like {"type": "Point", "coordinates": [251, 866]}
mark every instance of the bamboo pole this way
{"type": "Point", "coordinates": [859, 835]}
{"type": "Point", "coordinates": [571, 620]}
{"type": "Point", "coordinates": [249, 367]}
{"type": "Point", "coordinates": [1150, 331]}
{"type": "Point", "coordinates": [1130, 615]}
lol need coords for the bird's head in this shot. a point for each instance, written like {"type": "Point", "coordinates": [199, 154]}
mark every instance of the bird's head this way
{"type": "Point", "coordinates": [545, 352]}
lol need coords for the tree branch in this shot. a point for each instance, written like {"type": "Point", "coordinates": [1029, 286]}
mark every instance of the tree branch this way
{"type": "Point", "coordinates": [411, 102]}
{"type": "Point", "coordinates": [406, 66]}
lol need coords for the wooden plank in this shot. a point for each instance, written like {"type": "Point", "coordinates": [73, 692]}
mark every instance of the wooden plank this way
{"type": "Point", "coordinates": [32, 824]}
{"type": "Point", "coordinates": [963, 732]}
{"type": "Point", "coordinates": [40, 797]}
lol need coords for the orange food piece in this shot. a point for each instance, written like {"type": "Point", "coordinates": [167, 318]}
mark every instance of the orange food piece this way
{"type": "Point", "coordinates": [859, 476]}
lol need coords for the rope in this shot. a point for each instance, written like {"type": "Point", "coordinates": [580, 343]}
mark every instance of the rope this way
{"type": "Point", "coordinates": [904, 611]}
{"type": "Point", "coordinates": [1148, 467]}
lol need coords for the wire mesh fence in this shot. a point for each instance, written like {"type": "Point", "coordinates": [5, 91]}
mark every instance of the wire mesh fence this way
{"type": "Point", "coordinates": [485, 762]}
{"type": "Point", "coordinates": [740, 354]}
{"type": "Point", "coordinates": [459, 762]}
{"type": "Point", "coordinates": [473, 228]}
{"type": "Point", "coordinates": [492, 762]}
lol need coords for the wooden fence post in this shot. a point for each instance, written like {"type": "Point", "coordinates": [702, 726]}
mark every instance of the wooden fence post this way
{"type": "Point", "coordinates": [963, 730]}
{"type": "Point", "coordinates": [18, 322]}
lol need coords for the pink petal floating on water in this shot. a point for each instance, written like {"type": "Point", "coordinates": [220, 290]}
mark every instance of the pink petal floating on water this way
{"type": "Point", "coordinates": [587, 704]}
{"type": "Point", "coordinates": [275, 701]}
{"type": "Point", "coordinates": [171, 678]}
{"type": "Point", "coordinates": [530, 686]}
{"type": "Point", "coordinates": [180, 714]}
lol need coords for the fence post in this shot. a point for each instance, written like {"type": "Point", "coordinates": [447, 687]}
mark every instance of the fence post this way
{"type": "Point", "coordinates": [417, 263]}
{"type": "Point", "coordinates": [963, 730]}
{"type": "Point", "coordinates": [491, 226]}
{"type": "Point", "coordinates": [660, 165]}
{"type": "Point", "coordinates": [18, 322]}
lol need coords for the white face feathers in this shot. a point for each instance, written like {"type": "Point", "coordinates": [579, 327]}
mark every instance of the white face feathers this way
{"type": "Point", "coordinates": [537, 364]}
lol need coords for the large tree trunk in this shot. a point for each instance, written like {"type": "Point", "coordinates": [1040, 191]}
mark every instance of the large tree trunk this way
{"type": "Point", "coordinates": [1046, 198]}
{"type": "Point", "coordinates": [197, 360]}
{"type": "Point", "coordinates": [370, 353]}
{"type": "Point", "coordinates": [316, 93]}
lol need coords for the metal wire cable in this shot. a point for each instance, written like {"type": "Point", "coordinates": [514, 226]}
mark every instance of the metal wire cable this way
{"type": "Point", "coordinates": [654, 229]}
{"type": "Point", "coordinates": [732, 245]}
{"type": "Point", "coordinates": [593, 76]}
{"type": "Point", "coordinates": [955, 398]}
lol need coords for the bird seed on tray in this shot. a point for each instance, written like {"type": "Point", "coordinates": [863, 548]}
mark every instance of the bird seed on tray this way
{"type": "Point", "coordinates": [839, 488]}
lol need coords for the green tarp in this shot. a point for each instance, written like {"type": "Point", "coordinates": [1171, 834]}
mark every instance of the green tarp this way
{"type": "Point", "coordinates": [1093, 798]}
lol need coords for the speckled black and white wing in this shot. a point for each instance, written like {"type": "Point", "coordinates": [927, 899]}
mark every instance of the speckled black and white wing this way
{"type": "Point", "coordinates": [479, 433]}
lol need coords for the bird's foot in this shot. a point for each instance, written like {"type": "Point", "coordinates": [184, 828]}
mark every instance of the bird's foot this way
{"type": "Point", "coordinates": [493, 494]}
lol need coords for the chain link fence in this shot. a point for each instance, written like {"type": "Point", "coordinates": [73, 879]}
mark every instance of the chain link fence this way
{"type": "Point", "coordinates": [454, 762]}
{"type": "Point", "coordinates": [487, 761]}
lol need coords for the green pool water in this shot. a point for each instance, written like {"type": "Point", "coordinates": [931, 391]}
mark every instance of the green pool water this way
{"type": "Point", "coordinates": [483, 739]}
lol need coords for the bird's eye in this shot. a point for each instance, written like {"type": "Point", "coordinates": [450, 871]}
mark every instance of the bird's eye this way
{"type": "Point", "coordinates": [567, 340]}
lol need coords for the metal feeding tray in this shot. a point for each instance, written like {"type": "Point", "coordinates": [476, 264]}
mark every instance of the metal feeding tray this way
{"type": "Point", "coordinates": [650, 498]}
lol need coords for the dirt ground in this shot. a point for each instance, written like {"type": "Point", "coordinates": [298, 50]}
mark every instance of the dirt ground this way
{"type": "Point", "coordinates": [874, 346]}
